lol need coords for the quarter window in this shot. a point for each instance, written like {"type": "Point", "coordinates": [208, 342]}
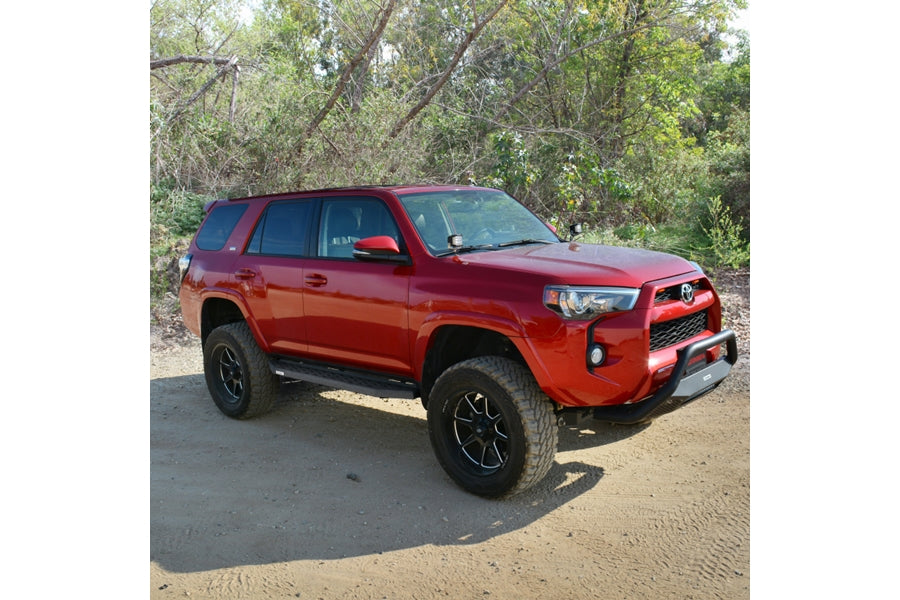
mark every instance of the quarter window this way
{"type": "Point", "coordinates": [218, 226]}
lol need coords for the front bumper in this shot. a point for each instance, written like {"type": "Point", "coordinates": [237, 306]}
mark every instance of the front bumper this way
{"type": "Point", "coordinates": [683, 386]}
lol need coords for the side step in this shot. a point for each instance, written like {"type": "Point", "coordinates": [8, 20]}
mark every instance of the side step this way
{"type": "Point", "coordinates": [363, 382]}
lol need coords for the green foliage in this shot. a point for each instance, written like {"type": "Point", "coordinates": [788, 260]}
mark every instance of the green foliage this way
{"type": "Point", "coordinates": [513, 170]}
{"type": "Point", "coordinates": [725, 88]}
{"type": "Point", "coordinates": [679, 239]}
{"type": "Point", "coordinates": [178, 211]}
{"type": "Point", "coordinates": [728, 155]}
{"type": "Point", "coordinates": [175, 215]}
{"type": "Point", "coordinates": [666, 181]}
{"type": "Point", "coordinates": [589, 192]}
{"type": "Point", "coordinates": [726, 245]}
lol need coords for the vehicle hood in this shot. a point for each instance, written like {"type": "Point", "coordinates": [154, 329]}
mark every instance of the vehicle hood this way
{"type": "Point", "coordinates": [584, 264]}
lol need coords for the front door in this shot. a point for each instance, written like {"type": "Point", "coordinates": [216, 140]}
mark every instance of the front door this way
{"type": "Point", "coordinates": [356, 312]}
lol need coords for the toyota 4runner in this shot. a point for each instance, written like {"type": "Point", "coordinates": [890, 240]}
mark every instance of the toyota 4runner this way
{"type": "Point", "coordinates": [459, 296]}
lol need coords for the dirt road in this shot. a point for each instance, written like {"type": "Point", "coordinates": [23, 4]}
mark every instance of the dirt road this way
{"type": "Point", "coordinates": [338, 495]}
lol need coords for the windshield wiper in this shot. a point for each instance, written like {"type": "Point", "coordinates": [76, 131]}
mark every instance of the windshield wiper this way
{"type": "Point", "coordinates": [462, 249]}
{"type": "Point", "coordinates": [524, 242]}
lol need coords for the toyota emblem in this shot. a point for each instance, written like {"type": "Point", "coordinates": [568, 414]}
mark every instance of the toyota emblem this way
{"type": "Point", "coordinates": [687, 293]}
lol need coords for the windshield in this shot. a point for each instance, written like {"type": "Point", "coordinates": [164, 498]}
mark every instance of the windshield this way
{"type": "Point", "coordinates": [486, 219]}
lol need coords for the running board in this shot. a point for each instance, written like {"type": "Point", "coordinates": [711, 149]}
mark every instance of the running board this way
{"type": "Point", "coordinates": [363, 382]}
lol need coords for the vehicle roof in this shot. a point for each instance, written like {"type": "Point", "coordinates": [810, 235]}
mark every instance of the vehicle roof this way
{"type": "Point", "coordinates": [400, 189]}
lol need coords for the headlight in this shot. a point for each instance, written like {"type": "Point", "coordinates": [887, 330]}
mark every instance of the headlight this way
{"type": "Point", "coordinates": [586, 303]}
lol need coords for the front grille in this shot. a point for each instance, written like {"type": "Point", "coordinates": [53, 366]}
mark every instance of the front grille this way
{"type": "Point", "coordinates": [673, 292]}
{"type": "Point", "coordinates": [669, 333]}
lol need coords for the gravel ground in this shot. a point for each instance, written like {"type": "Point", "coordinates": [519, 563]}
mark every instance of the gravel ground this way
{"type": "Point", "coordinates": [733, 288]}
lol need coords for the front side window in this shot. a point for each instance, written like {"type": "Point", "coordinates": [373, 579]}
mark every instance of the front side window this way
{"type": "Point", "coordinates": [345, 221]}
{"type": "Point", "coordinates": [282, 230]}
{"type": "Point", "coordinates": [219, 225]}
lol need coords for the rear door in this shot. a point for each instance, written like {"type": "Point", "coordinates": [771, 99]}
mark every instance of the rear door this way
{"type": "Point", "coordinates": [270, 273]}
{"type": "Point", "coordinates": [356, 312]}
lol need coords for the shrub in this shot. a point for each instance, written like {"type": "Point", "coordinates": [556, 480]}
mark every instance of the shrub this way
{"type": "Point", "coordinates": [727, 245]}
{"type": "Point", "coordinates": [178, 210]}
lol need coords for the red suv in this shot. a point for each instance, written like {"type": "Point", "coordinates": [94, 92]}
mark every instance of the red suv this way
{"type": "Point", "coordinates": [459, 296]}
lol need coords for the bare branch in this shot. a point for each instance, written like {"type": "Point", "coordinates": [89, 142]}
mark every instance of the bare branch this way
{"type": "Point", "coordinates": [346, 74]}
{"type": "Point", "coordinates": [221, 71]}
{"type": "Point", "coordinates": [457, 56]}
{"type": "Point", "coordinates": [234, 85]}
{"type": "Point", "coordinates": [181, 58]}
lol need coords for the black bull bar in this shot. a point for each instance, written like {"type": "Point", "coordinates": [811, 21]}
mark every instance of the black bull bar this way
{"type": "Point", "coordinates": [681, 388]}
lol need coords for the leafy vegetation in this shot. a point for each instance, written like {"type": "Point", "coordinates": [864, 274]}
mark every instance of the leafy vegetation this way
{"type": "Point", "coordinates": [630, 116]}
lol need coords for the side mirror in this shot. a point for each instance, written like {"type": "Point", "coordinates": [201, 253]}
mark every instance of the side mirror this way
{"type": "Point", "coordinates": [575, 230]}
{"type": "Point", "coordinates": [379, 248]}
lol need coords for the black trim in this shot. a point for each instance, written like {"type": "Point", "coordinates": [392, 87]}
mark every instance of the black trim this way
{"type": "Point", "coordinates": [380, 385]}
{"type": "Point", "coordinates": [398, 259]}
{"type": "Point", "coordinates": [590, 342]}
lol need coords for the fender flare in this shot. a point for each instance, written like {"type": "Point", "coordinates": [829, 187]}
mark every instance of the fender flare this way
{"type": "Point", "coordinates": [218, 293]}
{"type": "Point", "coordinates": [512, 330]}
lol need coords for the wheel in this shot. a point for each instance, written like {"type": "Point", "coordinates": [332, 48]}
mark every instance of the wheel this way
{"type": "Point", "coordinates": [237, 372]}
{"type": "Point", "coordinates": [491, 427]}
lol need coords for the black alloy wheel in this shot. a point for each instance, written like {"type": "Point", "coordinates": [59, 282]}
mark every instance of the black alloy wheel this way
{"type": "Point", "coordinates": [492, 428]}
{"type": "Point", "coordinates": [237, 372]}
{"type": "Point", "coordinates": [480, 432]}
{"type": "Point", "coordinates": [230, 374]}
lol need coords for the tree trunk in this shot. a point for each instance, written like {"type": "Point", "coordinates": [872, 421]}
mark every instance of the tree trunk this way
{"type": "Point", "coordinates": [625, 68]}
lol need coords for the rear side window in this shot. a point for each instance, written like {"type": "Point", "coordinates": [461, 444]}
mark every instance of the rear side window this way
{"type": "Point", "coordinates": [218, 226]}
{"type": "Point", "coordinates": [282, 230]}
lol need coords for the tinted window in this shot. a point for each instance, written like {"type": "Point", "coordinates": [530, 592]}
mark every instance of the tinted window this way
{"type": "Point", "coordinates": [281, 230]}
{"type": "Point", "coordinates": [218, 226]}
{"type": "Point", "coordinates": [345, 221]}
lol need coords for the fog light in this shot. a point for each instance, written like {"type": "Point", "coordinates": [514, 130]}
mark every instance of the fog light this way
{"type": "Point", "coordinates": [596, 355]}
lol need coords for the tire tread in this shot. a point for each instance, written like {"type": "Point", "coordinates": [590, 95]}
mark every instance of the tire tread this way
{"type": "Point", "coordinates": [261, 383]}
{"type": "Point", "coordinates": [535, 411]}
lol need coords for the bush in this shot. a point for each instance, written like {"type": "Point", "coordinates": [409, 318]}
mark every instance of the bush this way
{"type": "Point", "coordinates": [664, 181]}
{"type": "Point", "coordinates": [178, 211]}
{"type": "Point", "coordinates": [728, 153]}
{"type": "Point", "coordinates": [725, 235]}
{"type": "Point", "coordinates": [175, 214]}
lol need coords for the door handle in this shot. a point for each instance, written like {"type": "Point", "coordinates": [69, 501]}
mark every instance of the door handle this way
{"type": "Point", "coordinates": [245, 273]}
{"type": "Point", "coordinates": [316, 280]}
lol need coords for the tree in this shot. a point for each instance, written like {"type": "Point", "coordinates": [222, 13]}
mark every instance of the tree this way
{"type": "Point", "coordinates": [366, 51]}
{"type": "Point", "coordinates": [478, 25]}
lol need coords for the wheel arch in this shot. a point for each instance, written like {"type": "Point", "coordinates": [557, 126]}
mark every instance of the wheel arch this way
{"type": "Point", "coordinates": [449, 344]}
{"type": "Point", "coordinates": [221, 308]}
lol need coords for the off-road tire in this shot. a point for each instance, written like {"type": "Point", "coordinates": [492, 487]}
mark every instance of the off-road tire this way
{"type": "Point", "coordinates": [492, 428]}
{"type": "Point", "coordinates": [237, 372]}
